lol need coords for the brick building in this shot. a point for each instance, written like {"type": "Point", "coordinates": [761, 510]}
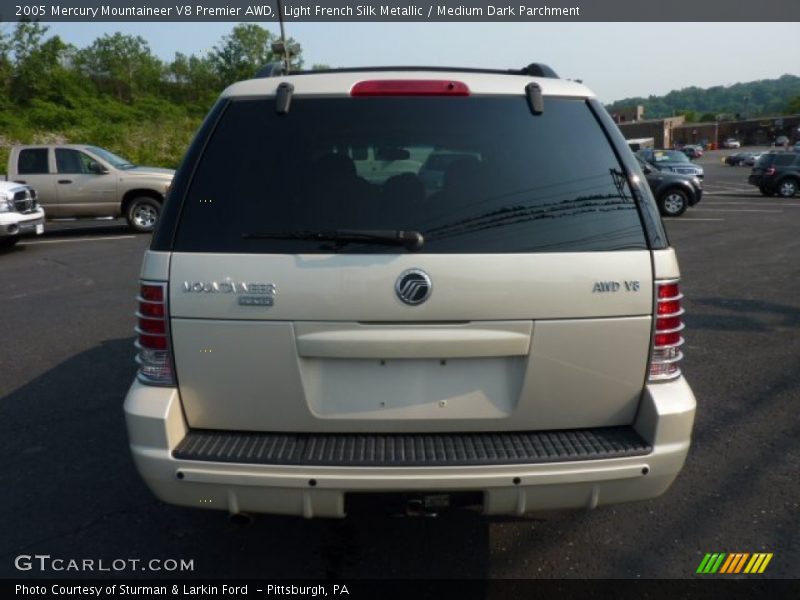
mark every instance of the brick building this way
{"type": "Point", "coordinates": [672, 131]}
{"type": "Point", "coordinates": [661, 130]}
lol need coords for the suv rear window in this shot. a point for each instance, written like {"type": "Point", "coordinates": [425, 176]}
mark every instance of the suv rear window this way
{"type": "Point", "coordinates": [777, 159]}
{"type": "Point", "coordinates": [784, 160]}
{"type": "Point", "coordinates": [473, 175]}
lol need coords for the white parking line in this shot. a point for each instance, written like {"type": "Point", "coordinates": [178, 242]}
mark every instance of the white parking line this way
{"type": "Point", "coordinates": [758, 210]}
{"type": "Point", "coordinates": [689, 219]}
{"type": "Point", "coordinates": [755, 203]}
{"type": "Point", "coordinates": [64, 241]}
{"type": "Point", "coordinates": [733, 187]}
{"type": "Point", "coordinates": [729, 193]}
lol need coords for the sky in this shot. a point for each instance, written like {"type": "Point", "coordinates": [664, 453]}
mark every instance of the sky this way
{"type": "Point", "coordinates": [616, 60]}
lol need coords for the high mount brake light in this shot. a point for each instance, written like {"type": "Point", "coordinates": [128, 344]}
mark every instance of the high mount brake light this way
{"type": "Point", "coordinates": [410, 87]}
{"type": "Point", "coordinates": [152, 329]}
{"type": "Point", "coordinates": [667, 339]}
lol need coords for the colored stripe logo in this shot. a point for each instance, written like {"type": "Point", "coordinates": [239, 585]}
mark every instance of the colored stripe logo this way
{"type": "Point", "coordinates": [734, 563]}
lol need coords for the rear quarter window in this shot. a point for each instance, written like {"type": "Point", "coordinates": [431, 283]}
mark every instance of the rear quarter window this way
{"type": "Point", "coordinates": [473, 175]}
{"type": "Point", "coordinates": [33, 161]}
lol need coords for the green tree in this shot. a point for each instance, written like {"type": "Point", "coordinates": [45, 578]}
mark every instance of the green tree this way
{"type": "Point", "coordinates": [247, 49]}
{"type": "Point", "coordinates": [706, 117]}
{"type": "Point", "coordinates": [193, 79]}
{"type": "Point", "coordinates": [793, 106]}
{"type": "Point", "coordinates": [40, 70]}
{"type": "Point", "coordinates": [30, 64]}
{"type": "Point", "coordinates": [6, 68]}
{"type": "Point", "coordinates": [121, 65]}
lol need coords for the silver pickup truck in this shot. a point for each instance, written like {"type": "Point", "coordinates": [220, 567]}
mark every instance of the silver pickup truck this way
{"type": "Point", "coordinates": [75, 180]}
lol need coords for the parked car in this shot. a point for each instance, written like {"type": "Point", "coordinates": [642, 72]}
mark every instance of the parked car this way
{"type": "Point", "coordinates": [782, 141]}
{"type": "Point", "coordinates": [671, 160]}
{"type": "Point", "coordinates": [692, 151]}
{"type": "Point", "coordinates": [511, 341]}
{"type": "Point", "coordinates": [777, 173]}
{"type": "Point", "coordinates": [19, 213]}
{"type": "Point", "coordinates": [796, 147]}
{"type": "Point", "coordinates": [76, 180]}
{"type": "Point", "coordinates": [731, 143]}
{"type": "Point", "coordinates": [735, 160]}
{"type": "Point", "coordinates": [673, 192]}
{"type": "Point", "coordinates": [751, 158]}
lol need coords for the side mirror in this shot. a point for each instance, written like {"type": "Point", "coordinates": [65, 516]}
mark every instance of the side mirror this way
{"type": "Point", "coordinates": [647, 169]}
{"type": "Point", "coordinates": [96, 168]}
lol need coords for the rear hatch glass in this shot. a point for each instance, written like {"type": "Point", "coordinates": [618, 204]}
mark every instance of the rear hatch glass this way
{"type": "Point", "coordinates": [477, 174]}
{"type": "Point", "coordinates": [774, 159]}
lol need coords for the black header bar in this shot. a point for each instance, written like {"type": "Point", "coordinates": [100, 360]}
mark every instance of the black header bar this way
{"type": "Point", "coordinates": [403, 10]}
{"type": "Point", "coordinates": [697, 588]}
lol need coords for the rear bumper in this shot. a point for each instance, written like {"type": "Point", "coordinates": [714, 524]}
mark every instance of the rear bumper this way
{"type": "Point", "coordinates": [759, 181]}
{"type": "Point", "coordinates": [156, 427]}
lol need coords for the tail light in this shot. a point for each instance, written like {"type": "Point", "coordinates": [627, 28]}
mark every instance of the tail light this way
{"type": "Point", "coordinates": [152, 328]}
{"type": "Point", "coordinates": [770, 171]}
{"type": "Point", "coordinates": [667, 339]}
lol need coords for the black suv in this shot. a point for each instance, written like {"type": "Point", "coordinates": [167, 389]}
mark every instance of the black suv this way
{"type": "Point", "coordinates": [673, 192]}
{"type": "Point", "coordinates": [777, 173]}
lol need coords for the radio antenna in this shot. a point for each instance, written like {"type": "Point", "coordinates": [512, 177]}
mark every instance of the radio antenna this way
{"type": "Point", "coordinates": [283, 45]}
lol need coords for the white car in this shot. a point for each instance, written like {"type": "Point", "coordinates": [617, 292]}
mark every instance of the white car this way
{"type": "Point", "coordinates": [508, 336]}
{"type": "Point", "coordinates": [20, 213]}
{"type": "Point", "coordinates": [732, 143]}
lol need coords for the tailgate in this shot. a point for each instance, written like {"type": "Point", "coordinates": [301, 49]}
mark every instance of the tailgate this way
{"type": "Point", "coordinates": [537, 343]}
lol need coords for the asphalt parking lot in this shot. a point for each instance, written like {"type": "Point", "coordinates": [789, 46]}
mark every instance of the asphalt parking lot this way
{"type": "Point", "coordinates": [70, 488]}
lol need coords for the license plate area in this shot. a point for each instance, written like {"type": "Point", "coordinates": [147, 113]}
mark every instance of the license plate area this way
{"type": "Point", "coordinates": [413, 389]}
{"type": "Point", "coordinates": [411, 504]}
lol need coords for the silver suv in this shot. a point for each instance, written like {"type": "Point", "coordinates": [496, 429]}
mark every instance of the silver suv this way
{"type": "Point", "coordinates": [507, 336]}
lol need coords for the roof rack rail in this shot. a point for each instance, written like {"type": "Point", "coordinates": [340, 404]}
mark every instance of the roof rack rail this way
{"type": "Point", "coordinates": [273, 69]}
{"type": "Point", "coordinates": [277, 69]}
{"type": "Point", "coordinates": [539, 70]}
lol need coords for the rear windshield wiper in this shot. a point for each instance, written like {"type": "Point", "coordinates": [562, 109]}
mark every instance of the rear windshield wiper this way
{"type": "Point", "coordinates": [412, 240]}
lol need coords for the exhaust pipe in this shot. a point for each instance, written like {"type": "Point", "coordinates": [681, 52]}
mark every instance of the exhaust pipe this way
{"type": "Point", "coordinates": [241, 519]}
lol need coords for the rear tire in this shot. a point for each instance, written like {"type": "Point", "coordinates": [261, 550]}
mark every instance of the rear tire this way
{"type": "Point", "coordinates": [787, 188]}
{"type": "Point", "coordinates": [143, 213]}
{"type": "Point", "coordinates": [673, 203]}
